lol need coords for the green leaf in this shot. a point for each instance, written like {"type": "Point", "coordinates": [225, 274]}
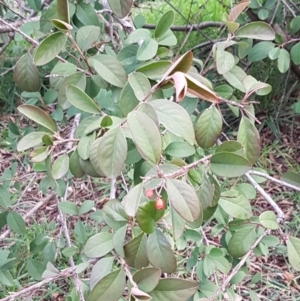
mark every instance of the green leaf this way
{"type": "Point", "coordinates": [49, 48]}
{"type": "Point", "coordinates": [224, 60]}
{"type": "Point", "coordinates": [283, 62]}
{"type": "Point", "coordinates": [147, 215]}
{"type": "Point", "coordinates": [183, 199]}
{"type": "Point", "coordinates": [63, 10]}
{"type": "Point", "coordinates": [140, 85]}
{"type": "Point", "coordinates": [118, 240]}
{"type": "Point", "coordinates": [274, 53]}
{"type": "Point", "coordinates": [37, 115]}
{"type": "Point", "coordinates": [136, 252]}
{"type": "Point", "coordinates": [6, 278]}
{"type": "Point", "coordinates": [256, 30]}
{"type": "Point", "coordinates": [260, 51]}
{"type": "Point", "coordinates": [235, 77]}
{"type": "Point", "coordinates": [131, 200]}
{"type": "Point", "coordinates": [168, 39]}
{"type": "Point", "coordinates": [231, 147]}
{"type": "Point", "coordinates": [208, 127]}
{"type": "Point", "coordinates": [246, 189]}
{"type": "Point", "coordinates": [31, 140]}
{"type": "Point", "coordinates": [160, 253]}
{"type": "Point", "coordinates": [16, 223]}
{"type": "Point", "coordinates": [248, 136]}
{"type": "Point", "coordinates": [295, 25]}
{"type": "Point", "coordinates": [86, 14]}
{"type": "Point", "coordinates": [235, 204]}
{"type": "Point", "coordinates": [174, 289]}
{"type": "Point", "coordinates": [241, 241]}
{"type": "Point", "coordinates": [110, 287]}
{"type": "Point", "coordinates": [98, 245]}
{"type": "Point", "coordinates": [77, 79]}
{"type": "Point", "coordinates": [120, 8]}
{"type": "Point", "coordinates": [114, 210]}
{"type": "Point", "coordinates": [147, 50]}
{"type": "Point", "coordinates": [86, 206]}
{"type": "Point", "coordinates": [112, 152]}
{"type": "Point", "coordinates": [293, 250]}
{"type": "Point", "coordinates": [268, 220]}
{"type": "Point", "coordinates": [291, 178]}
{"type": "Point", "coordinates": [295, 54]}
{"type": "Point", "coordinates": [146, 136]}
{"type": "Point", "coordinates": [100, 270]}
{"type": "Point", "coordinates": [86, 36]}
{"type": "Point", "coordinates": [109, 68]}
{"type": "Point", "coordinates": [164, 24]}
{"type": "Point", "coordinates": [74, 165]}
{"type": "Point", "coordinates": [4, 255]}
{"type": "Point", "coordinates": [128, 100]}
{"type": "Point", "coordinates": [138, 35]}
{"type": "Point", "coordinates": [180, 149]}
{"type": "Point", "coordinates": [154, 70]}
{"type": "Point", "coordinates": [178, 224]}
{"type": "Point", "coordinates": [60, 166]}
{"type": "Point", "coordinates": [263, 14]}
{"type": "Point", "coordinates": [61, 25]}
{"type": "Point", "coordinates": [147, 279]}
{"type": "Point", "coordinates": [68, 208]}
{"type": "Point", "coordinates": [81, 100]}
{"type": "Point", "coordinates": [26, 74]}
{"type": "Point", "coordinates": [35, 268]}
{"type": "Point", "coordinates": [175, 119]}
{"type": "Point", "coordinates": [84, 146]}
{"type": "Point", "coordinates": [229, 165]}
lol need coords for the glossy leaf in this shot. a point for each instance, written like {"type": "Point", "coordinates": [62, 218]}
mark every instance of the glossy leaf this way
{"type": "Point", "coordinates": [110, 287]}
{"type": "Point", "coordinates": [256, 30]}
{"type": "Point", "coordinates": [175, 119]}
{"type": "Point", "coordinates": [225, 61]}
{"type": "Point", "coordinates": [293, 250]}
{"type": "Point", "coordinates": [140, 85]}
{"type": "Point", "coordinates": [98, 245]}
{"type": "Point", "coordinates": [147, 279]}
{"type": "Point", "coordinates": [241, 241]}
{"type": "Point", "coordinates": [208, 127]}
{"type": "Point", "coordinates": [229, 165]}
{"type": "Point", "coordinates": [235, 204]}
{"type": "Point", "coordinates": [268, 220]}
{"type": "Point", "coordinates": [75, 167]}
{"type": "Point", "coordinates": [295, 25]}
{"type": "Point", "coordinates": [154, 70]}
{"type": "Point", "coordinates": [284, 60]}
{"type": "Point", "coordinates": [183, 199]}
{"type": "Point", "coordinates": [120, 8]}
{"type": "Point", "coordinates": [147, 215]}
{"type": "Point", "coordinates": [49, 48]}
{"type": "Point", "coordinates": [248, 136]}
{"type": "Point", "coordinates": [109, 68]}
{"type": "Point", "coordinates": [60, 166]}
{"type": "Point", "coordinates": [146, 136]}
{"type": "Point", "coordinates": [26, 75]}
{"type": "Point", "coordinates": [180, 149]}
{"type": "Point", "coordinates": [61, 25]}
{"type": "Point", "coordinates": [174, 289]}
{"type": "Point", "coordinates": [231, 147]}
{"type": "Point", "coordinates": [164, 24]}
{"type": "Point", "coordinates": [38, 115]}
{"type": "Point", "coordinates": [86, 14]}
{"type": "Point", "coordinates": [112, 152]}
{"type": "Point", "coordinates": [260, 51]}
{"type": "Point", "coordinates": [136, 252]}
{"type": "Point", "coordinates": [160, 253]}
{"type": "Point", "coordinates": [235, 77]}
{"type": "Point", "coordinates": [131, 200]}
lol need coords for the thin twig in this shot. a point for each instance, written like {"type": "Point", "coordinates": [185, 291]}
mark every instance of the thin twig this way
{"type": "Point", "coordinates": [283, 183]}
{"type": "Point", "coordinates": [112, 193]}
{"type": "Point", "coordinates": [226, 281]}
{"type": "Point", "coordinates": [280, 214]}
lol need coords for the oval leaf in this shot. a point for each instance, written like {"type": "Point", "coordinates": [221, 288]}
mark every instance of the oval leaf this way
{"type": "Point", "coordinates": [268, 220]}
{"type": "Point", "coordinates": [31, 140]}
{"type": "Point", "coordinates": [146, 136]}
{"type": "Point", "coordinates": [50, 48]}
{"type": "Point", "coordinates": [293, 249]}
{"type": "Point", "coordinates": [224, 60]}
{"type": "Point", "coordinates": [283, 62]}
{"type": "Point", "coordinates": [98, 245]}
{"type": "Point", "coordinates": [147, 279]}
{"type": "Point", "coordinates": [60, 166]}
{"type": "Point", "coordinates": [256, 30]}
{"type": "Point", "coordinates": [164, 24]}
{"type": "Point", "coordinates": [120, 8]}
{"type": "Point", "coordinates": [160, 252]}
{"type": "Point", "coordinates": [26, 74]}
{"type": "Point", "coordinates": [132, 199]}
{"type": "Point", "coordinates": [38, 115]}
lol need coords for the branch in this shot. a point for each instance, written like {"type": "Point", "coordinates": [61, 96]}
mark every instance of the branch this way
{"type": "Point", "coordinates": [191, 27]}
{"type": "Point", "coordinates": [283, 183]}
{"type": "Point", "coordinates": [222, 287]}
{"type": "Point", "coordinates": [280, 214]}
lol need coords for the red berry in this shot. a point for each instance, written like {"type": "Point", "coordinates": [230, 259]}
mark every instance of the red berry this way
{"type": "Point", "coordinates": [149, 193]}
{"type": "Point", "coordinates": [159, 204]}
